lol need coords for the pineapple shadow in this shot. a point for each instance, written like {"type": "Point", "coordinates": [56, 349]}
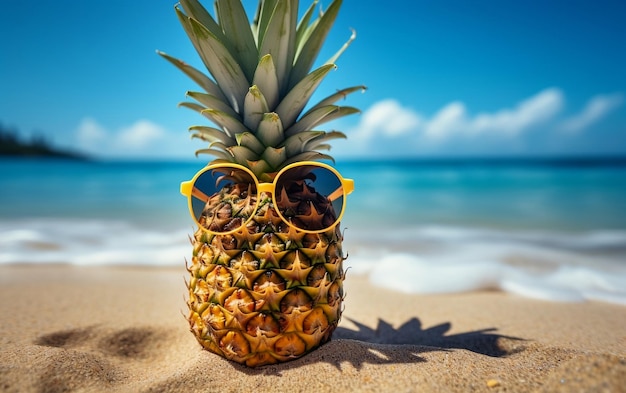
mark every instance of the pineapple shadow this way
{"type": "Point", "coordinates": [385, 344]}
{"type": "Point", "coordinates": [411, 333]}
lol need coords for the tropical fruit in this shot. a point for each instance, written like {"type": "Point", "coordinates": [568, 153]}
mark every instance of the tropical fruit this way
{"type": "Point", "coordinates": [266, 274]}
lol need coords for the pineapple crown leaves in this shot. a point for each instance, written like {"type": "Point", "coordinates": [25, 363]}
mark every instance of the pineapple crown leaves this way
{"type": "Point", "coordinates": [261, 81]}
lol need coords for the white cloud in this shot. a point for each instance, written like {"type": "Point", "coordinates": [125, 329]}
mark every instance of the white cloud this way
{"type": "Point", "coordinates": [450, 119]}
{"type": "Point", "coordinates": [139, 135]}
{"type": "Point", "coordinates": [536, 110]}
{"type": "Point", "coordinates": [389, 118]}
{"type": "Point", "coordinates": [597, 108]}
{"type": "Point", "coordinates": [390, 128]}
{"type": "Point", "coordinates": [90, 132]}
{"type": "Point", "coordinates": [140, 139]}
{"type": "Point", "coordinates": [453, 119]}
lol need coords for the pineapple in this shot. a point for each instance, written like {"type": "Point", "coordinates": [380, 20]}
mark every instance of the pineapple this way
{"type": "Point", "coordinates": [268, 292]}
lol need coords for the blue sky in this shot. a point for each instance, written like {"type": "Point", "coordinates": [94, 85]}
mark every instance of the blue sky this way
{"type": "Point", "coordinates": [445, 78]}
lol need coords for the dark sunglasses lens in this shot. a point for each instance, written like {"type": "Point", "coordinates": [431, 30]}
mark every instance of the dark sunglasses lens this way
{"type": "Point", "coordinates": [223, 199]}
{"type": "Point", "coordinates": [310, 197]}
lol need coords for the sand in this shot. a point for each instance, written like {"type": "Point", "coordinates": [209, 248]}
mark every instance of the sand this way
{"type": "Point", "coordinates": [121, 329]}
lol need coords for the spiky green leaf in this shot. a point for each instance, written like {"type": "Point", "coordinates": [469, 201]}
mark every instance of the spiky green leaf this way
{"type": "Point", "coordinates": [201, 79]}
{"type": "Point", "coordinates": [266, 80]}
{"type": "Point", "coordinates": [308, 156]}
{"type": "Point", "coordinates": [261, 169]}
{"type": "Point", "coordinates": [212, 102]}
{"type": "Point", "coordinates": [242, 154]}
{"type": "Point", "coordinates": [279, 40]}
{"type": "Point", "coordinates": [262, 18]}
{"type": "Point", "coordinates": [310, 120]}
{"type": "Point", "coordinates": [304, 37]}
{"type": "Point", "coordinates": [321, 116]}
{"type": "Point", "coordinates": [303, 25]}
{"type": "Point", "coordinates": [274, 156]}
{"type": "Point", "coordinates": [234, 22]}
{"type": "Point", "coordinates": [229, 124]}
{"type": "Point", "coordinates": [295, 144]}
{"type": "Point", "coordinates": [211, 134]}
{"type": "Point", "coordinates": [333, 59]}
{"type": "Point", "coordinates": [222, 155]}
{"type": "Point", "coordinates": [323, 146]}
{"type": "Point", "coordinates": [218, 60]}
{"type": "Point", "coordinates": [310, 49]}
{"type": "Point", "coordinates": [195, 10]}
{"type": "Point", "coordinates": [270, 131]}
{"type": "Point", "coordinates": [193, 106]}
{"type": "Point", "coordinates": [341, 94]}
{"type": "Point", "coordinates": [341, 112]}
{"type": "Point", "coordinates": [247, 139]}
{"type": "Point", "coordinates": [320, 142]}
{"type": "Point", "coordinates": [254, 106]}
{"type": "Point", "coordinates": [219, 145]}
{"type": "Point", "coordinates": [291, 106]}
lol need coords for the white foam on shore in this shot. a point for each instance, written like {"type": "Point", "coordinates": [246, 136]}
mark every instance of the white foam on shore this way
{"type": "Point", "coordinates": [90, 242]}
{"type": "Point", "coordinates": [555, 266]}
{"type": "Point", "coordinates": [413, 274]}
{"type": "Point", "coordinates": [541, 265]}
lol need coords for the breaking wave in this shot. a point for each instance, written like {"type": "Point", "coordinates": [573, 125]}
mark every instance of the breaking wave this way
{"type": "Point", "coordinates": [557, 266]}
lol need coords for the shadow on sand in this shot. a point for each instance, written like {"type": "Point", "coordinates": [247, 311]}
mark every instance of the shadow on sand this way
{"type": "Point", "coordinates": [385, 344]}
{"type": "Point", "coordinates": [354, 344]}
{"type": "Point", "coordinates": [484, 341]}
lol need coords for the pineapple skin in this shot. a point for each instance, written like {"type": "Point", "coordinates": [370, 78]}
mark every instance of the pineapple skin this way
{"type": "Point", "coordinates": [267, 293]}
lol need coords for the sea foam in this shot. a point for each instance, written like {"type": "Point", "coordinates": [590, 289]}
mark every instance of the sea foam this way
{"type": "Point", "coordinates": [557, 266]}
{"type": "Point", "coordinates": [542, 265]}
{"type": "Point", "coordinates": [90, 242]}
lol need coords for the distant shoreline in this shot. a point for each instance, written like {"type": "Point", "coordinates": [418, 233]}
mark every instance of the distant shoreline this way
{"type": "Point", "coordinates": [11, 145]}
{"type": "Point", "coordinates": [43, 154]}
{"type": "Point", "coordinates": [16, 148]}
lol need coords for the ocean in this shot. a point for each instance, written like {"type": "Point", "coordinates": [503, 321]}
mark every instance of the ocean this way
{"type": "Point", "coordinates": [552, 229]}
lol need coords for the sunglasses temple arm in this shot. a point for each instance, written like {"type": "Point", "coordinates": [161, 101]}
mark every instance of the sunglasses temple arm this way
{"type": "Point", "coordinates": [199, 195]}
{"type": "Point", "coordinates": [338, 193]}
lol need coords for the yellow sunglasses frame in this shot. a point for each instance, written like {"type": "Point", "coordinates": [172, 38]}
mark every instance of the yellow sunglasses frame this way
{"type": "Point", "coordinates": [188, 190]}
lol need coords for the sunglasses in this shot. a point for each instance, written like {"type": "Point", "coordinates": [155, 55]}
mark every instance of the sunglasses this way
{"type": "Point", "coordinates": [308, 196]}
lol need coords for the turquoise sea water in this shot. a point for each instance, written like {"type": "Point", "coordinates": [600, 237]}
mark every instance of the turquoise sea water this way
{"type": "Point", "coordinates": [510, 194]}
{"type": "Point", "coordinates": [552, 229]}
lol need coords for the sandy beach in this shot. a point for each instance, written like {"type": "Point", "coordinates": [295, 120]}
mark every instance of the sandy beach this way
{"type": "Point", "coordinates": [121, 329]}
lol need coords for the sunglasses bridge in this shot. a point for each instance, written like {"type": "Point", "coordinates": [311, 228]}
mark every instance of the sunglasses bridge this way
{"type": "Point", "coordinates": [266, 187]}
